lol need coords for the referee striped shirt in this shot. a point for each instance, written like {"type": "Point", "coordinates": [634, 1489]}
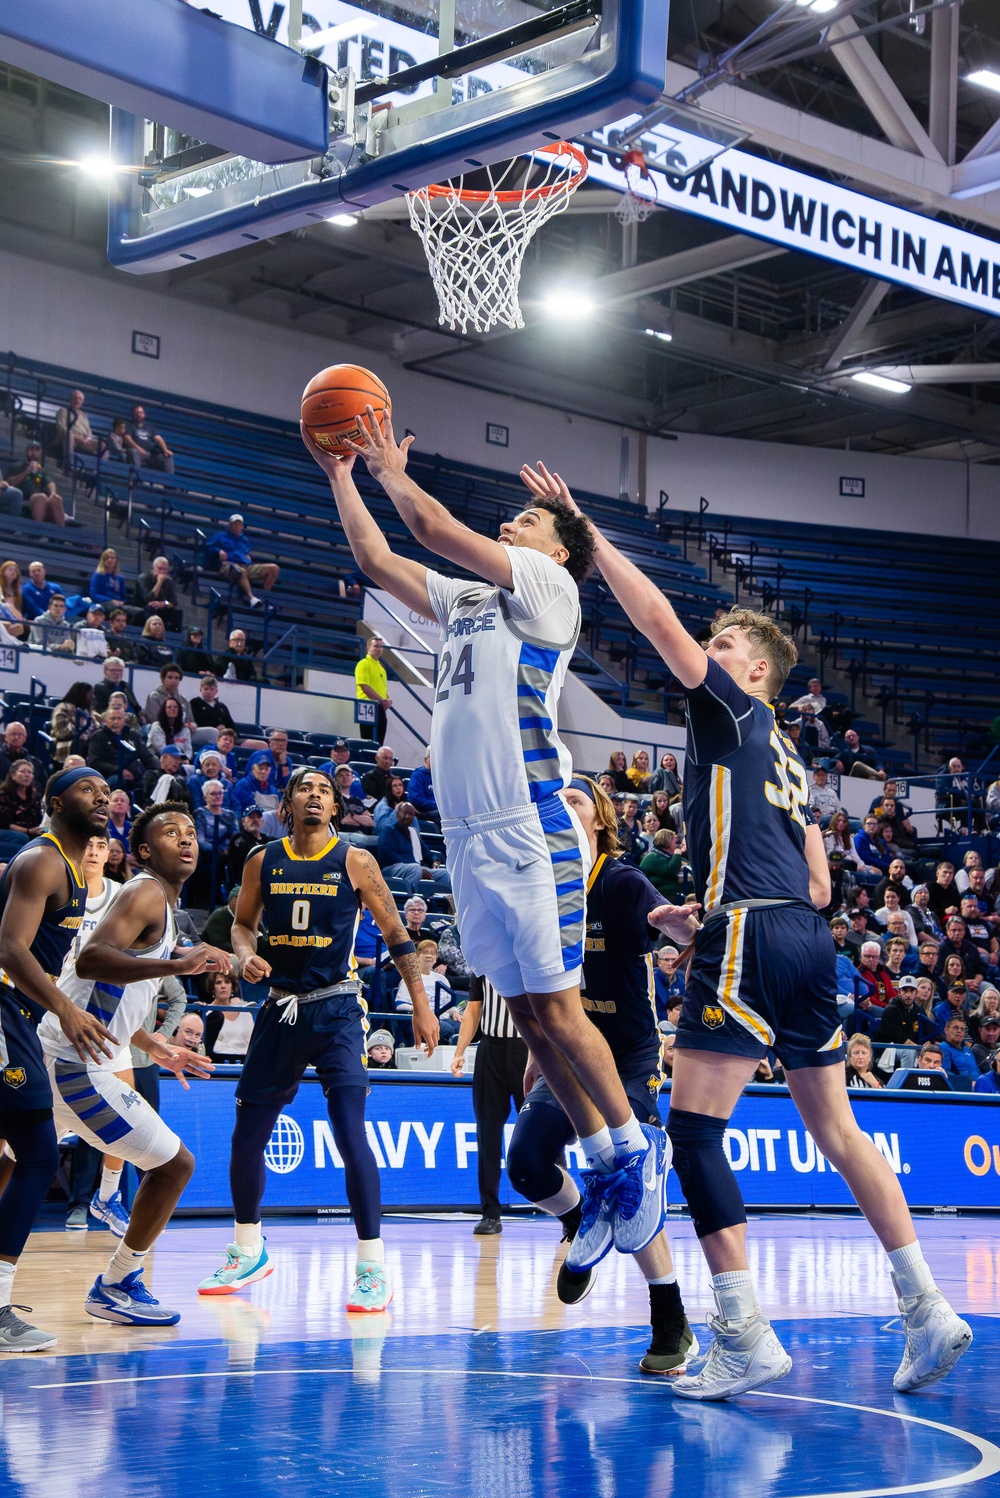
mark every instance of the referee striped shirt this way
{"type": "Point", "coordinates": [495, 1020]}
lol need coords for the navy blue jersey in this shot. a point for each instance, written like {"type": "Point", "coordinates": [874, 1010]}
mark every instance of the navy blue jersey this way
{"type": "Point", "coordinates": [617, 965]}
{"type": "Point", "coordinates": [311, 914]}
{"type": "Point", "coordinates": [746, 799]}
{"type": "Point", "coordinates": [57, 928]}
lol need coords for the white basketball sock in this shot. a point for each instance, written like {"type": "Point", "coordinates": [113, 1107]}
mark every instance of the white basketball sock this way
{"type": "Point", "coordinates": [735, 1295]}
{"type": "Point", "coordinates": [598, 1150]}
{"type": "Point", "coordinates": [371, 1251]}
{"type": "Point", "coordinates": [629, 1139]}
{"type": "Point", "coordinates": [110, 1181]}
{"type": "Point", "coordinates": [7, 1272]}
{"type": "Point", "coordinates": [123, 1261]}
{"type": "Point", "coordinates": [248, 1237]}
{"type": "Point", "coordinates": [664, 1279]}
{"type": "Point", "coordinates": [911, 1271]}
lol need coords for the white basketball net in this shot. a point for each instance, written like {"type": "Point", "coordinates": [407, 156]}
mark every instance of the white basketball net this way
{"type": "Point", "coordinates": [635, 207]}
{"type": "Point", "coordinates": [475, 240]}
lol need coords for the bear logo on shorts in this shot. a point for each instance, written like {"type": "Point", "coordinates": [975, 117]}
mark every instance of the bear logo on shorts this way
{"type": "Point", "coordinates": [15, 1076]}
{"type": "Point", "coordinates": [713, 1016]}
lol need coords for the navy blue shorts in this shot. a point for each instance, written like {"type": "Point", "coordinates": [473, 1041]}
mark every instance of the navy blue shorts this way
{"type": "Point", "coordinates": [764, 980]}
{"type": "Point", "coordinates": [641, 1088]}
{"type": "Point", "coordinates": [328, 1034]}
{"type": "Point", "coordinates": [24, 1081]}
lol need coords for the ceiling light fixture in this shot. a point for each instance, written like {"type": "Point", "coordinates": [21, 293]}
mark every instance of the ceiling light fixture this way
{"type": "Point", "coordinates": [655, 333]}
{"type": "Point", "coordinates": [100, 168]}
{"type": "Point", "coordinates": [344, 220]}
{"type": "Point", "coordinates": [986, 78]}
{"type": "Point", "coordinates": [881, 382]}
{"type": "Point", "coordinates": [569, 305]}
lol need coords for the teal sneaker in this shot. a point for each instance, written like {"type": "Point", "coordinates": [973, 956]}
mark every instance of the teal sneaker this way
{"type": "Point", "coordinates": [239, 1269]}
{"type": "Point", "coordinates": [371, 1290]}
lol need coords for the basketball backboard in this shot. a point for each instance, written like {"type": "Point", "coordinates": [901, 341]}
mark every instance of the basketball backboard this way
{"type": "Point", "coordinates": [418, 93]}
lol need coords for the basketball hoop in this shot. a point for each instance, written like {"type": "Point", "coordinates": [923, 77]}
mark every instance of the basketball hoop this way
{"type": "Point", "coordinates": [635, 207]}
{"type": "Point", "coordinates": [475, 240]}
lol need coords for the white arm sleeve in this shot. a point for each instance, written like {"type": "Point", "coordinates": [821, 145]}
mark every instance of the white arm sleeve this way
{"type": "Point", "coordinates": [544, 597]}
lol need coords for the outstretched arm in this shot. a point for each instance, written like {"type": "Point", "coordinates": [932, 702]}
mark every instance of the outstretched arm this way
{"type": "Point", "coordinates": [400, 576]}
{"type": "Point", "coordinates": [641, 599]}
{"type": "Point", "coordinates": [431, 524]}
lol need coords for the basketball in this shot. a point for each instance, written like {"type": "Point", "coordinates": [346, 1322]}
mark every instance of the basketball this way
{"type": "Point", "coordinates": [334, 401]}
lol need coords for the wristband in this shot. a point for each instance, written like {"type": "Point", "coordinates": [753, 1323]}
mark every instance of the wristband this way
{"type": "Point", "coordinates": [400, 949]}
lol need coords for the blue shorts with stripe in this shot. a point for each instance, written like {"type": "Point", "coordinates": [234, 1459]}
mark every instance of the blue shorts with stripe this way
{"type": "Point", "coordinates": [328, 1034]}
{"type": "Point", "coordinates": [519, 879]}
{"type": "Point", "coordinates": [24, 1081]}
{"type": "Point", "coordinates": [764, 980]}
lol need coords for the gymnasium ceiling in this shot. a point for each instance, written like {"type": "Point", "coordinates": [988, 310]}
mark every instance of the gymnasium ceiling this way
{"type": "Point", "coordinates": [759, 350]}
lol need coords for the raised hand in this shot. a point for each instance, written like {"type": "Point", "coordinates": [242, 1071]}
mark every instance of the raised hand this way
{"type": "Point", "coordinates": [332, 464]}
{"type": "Point", "coordinates": [546, 485]}
{"type": "Point", "coordinates": [378, 446]}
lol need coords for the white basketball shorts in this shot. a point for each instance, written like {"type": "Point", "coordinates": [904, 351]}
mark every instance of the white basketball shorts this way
{"type": "Point", "coordinates": [95, 1104]}
{"type": "Point", "coordinates": [519, 879]}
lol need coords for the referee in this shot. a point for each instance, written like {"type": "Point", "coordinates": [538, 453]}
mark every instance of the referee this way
{"type": "Point", "coordinates": [498, 1079]}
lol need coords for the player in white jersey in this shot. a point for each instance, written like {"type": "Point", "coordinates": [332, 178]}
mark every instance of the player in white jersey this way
{"type": "Point", "coordinates": [106, 1204]}
{"type": "Point", "coordinates": [517, 853]}
{"type": "Point", "coordinates": [119, 970]}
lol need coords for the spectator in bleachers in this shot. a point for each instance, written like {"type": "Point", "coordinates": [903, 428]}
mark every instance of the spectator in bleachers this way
{"type": "Point", "coordinates": [156, 594]}
{"type": "Point", "coordinates": [146, 446]}
{"type": "Point", "coordinates": [890, 792]}
{"type": "Point", "coordinates": [117, 867]}
{"type": "Point", "coordinates": [37, 592]}
{"type": "Point", "coordinates": [256, 786]}
{"type": "Point", "coordinates": [638, 771]}
{"type": "Point", "coordinates": [231, 552]}
{"type": "Point", "coordinates": [91, 641]}
{"type": "Point", "coordinates": [208, 767]}
{"type": "Point", "coordinates": [124, 648]}
{"type": "Point", "coordinates": [421, 788]}
{"type": "Point", "coordinates": [872, 852]}
{"type": "Point", "coordinates": [896, 949]}
{"type": "Point", "coordinates": [944, 894]}
{"type": "Point", "coordinates": [668, 980]}
{"type": "Point", "coordinates": [237, 663]}
{"type": "Point", "coordinates": [985, 898]}
{"type": "Point", "coordinates": [356, 822]}
{"type": "Point", "coordinates": [114, 445]}
{"type": "Point", "coordinates": [891, 908]}
{"type": "Point", "coordinates": [376, 781]}
{"type": "Point", "coordinates": [665, 777]}
{"type": "Point", "coordinates": [14, 748]}
{"type": "Point", "coordinates": [11, 500]}
{"type": "Point", "coordinates": [984, 1049]}
{"type": "Point", "coordinates": [815, 734]}
{"type": "Point", "coordinates": [193, 656]}
{"type": "Point", "coordinates": [607, 784]}
{"type": "Point", "coordinates": [167, 782]}
{"type": "Point", "coordinates": [988, 1003]}
{"type": "Point", "coordinates": [821, 792]}
{"type": "Point", "coordinates": [107, 583]}
{"type": "Point", "coordinates": [993, 804]}
{"type": "Point", "coordinates": [244, 841]}
{"type": "Point", "coordinates": [415, 920]}
{"type": "Point", "coordinates": [853, 759]}
{"type": "Point", "coordinates": [837, 838]}
{"type": "Point", "coordinates": [957, 944]}
{"type": "Point", "coordinates": [225, 743]}
{"type": "Point", "coordinates": [20, 802]}
{"type": "Point", "coordinates": [953, 995]}
{"type": "Point", "coordinates": [152, 649]}
{"type": "Point", "coordinates": [659, 805]}
{"type": "Point", "coordinates": [923, 916]}
{"type": "Point", "coordinates": [897, 879]}
{"type": "Point", "coordinates": [904, 832]}
{"type": "Point", "coordinates": [49, 630]}
{"type": "Point", "coordinates": [401, 853]}
{"type": "Point", "coordinates": [989, 1082]}
{"type": "Point", "coordinates": [72, 721]}
{"type": "Point", "coordinates": [39, 488]}
{"type": "Point", "coordinates": [456, 969]}
{"type": "Point", "coordinates": [371, 684]}
{"type": "Point", "coordinates": [633, 845]}
{"type": "Point", "coordinates": [662, 865]}
{"type": "Point", "coordinates": [385, 810]}
{"type": "Point", "coordinates": [73, 427]}
{"type": "Point", "coordinates": [122, 759]}
{"type": "Point", "coordinates": [970, 860]}
{"type": "Point", "coordinates": [218, 929]}
{"type": "Point", "coordinates": [618, 770]}
{"type": "Point", "coordinates": [170, 686]}
{"type": "Point", "coordinates": [812, 698]}
{"type": "Point", "coordinates": [956, 1049]}
{"type": "Point", "coordinates": [216, 827]}
{"type": "Point", "coordinates": [119, 699]}
{"type": "Point", "coordinates": [978, 930]}
{"type": "Point", "coordinates": [209, 713]}
{"type": "Point", "coordinates": [11, 602]}
{"type": "Point", "coordinates": [380, 1046]}
{"type": "Point", "coordinates": [860, 1063]}
{"type": "Point", "coordinates": [802, 749]}
{"type": "Point", "coordinates": [119, 819]}
{"type": "Point", "coordinates": [951, 792]}
{"type": "Point", "coordinates": [651, 825]}
{"type": "Point", "coordinates": [227, 1030]}
{"type": "Point", "coordinates": [281, 765]}
{"type": "Point", "coordinates": [113, 680]}
{"type": "Point", "coordinates": [170, 728]}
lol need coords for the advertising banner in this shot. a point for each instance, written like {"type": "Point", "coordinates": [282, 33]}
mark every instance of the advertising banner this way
{"type": "Point", "coordinates": [945, 1151]}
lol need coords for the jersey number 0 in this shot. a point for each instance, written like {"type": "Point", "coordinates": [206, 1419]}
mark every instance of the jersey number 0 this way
{"type": "Point", "coordinates": [300, 915]}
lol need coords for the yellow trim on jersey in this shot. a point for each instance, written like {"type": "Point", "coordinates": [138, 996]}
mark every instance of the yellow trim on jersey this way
{"type": "Point", "coordinates": [651, 995]}
{"type": "Point", "coordinates": [834, 1041]}
{"type": "Point", "coordinates": [81, 883]}
{"type": "Point", "coordinates": [719, 821]}
{"type": "Point", "coordinates": [595, 871]}
{"type": "Point", "coordinates": [286, 843]}
{"type": "Point", "coordinates": [729, 981]}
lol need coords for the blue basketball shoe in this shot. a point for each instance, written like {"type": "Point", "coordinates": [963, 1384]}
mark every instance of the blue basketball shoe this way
{"type": "Point", "coordinates": [239, 1269]}
{"type": "Point", "coordinates": [370, 1291]}
{"type": "Point", "coordinates": [128, 1302]}
{"type": "Point", "coordinates": [111, 1212]}
{"type": "Point", "coordinates": [595, 1235]}
{"type": "Point", "coordinates": [640, 1205]}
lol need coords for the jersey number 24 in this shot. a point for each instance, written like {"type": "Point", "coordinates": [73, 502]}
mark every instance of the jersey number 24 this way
{"type": "Point", "coordinates": [791, 792]}
{"type": "Point", "coordinates": [462, 676]}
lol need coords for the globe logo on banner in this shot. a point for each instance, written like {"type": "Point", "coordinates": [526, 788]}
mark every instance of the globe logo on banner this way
{"type": "Point", "coordinates": [286, 1147]}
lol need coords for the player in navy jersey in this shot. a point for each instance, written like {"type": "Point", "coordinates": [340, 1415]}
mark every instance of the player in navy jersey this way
{"type": "Point", "coordinates": [310, 888]}
{"type": "Point", "coordinates": [43, 896]}
{"type": "Point", "coordinates": [622, 906]}
{"type": "Point", "coordinates": [762, 978]}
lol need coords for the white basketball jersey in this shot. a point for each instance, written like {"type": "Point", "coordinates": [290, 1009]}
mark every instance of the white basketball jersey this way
{"type": "Point", "coordinates": [505, 653]}
{"type": "Point", "coordinates": [122, 1010]}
